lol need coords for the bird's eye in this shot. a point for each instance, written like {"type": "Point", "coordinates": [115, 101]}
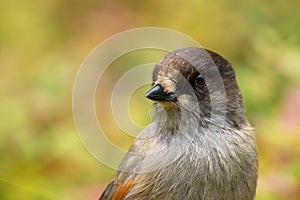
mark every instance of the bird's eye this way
{"type": "Point", "coordinates": [199, 78]}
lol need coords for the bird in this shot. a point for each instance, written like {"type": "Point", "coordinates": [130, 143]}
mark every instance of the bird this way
{"type": "Point", "coordinates": [200, 146]}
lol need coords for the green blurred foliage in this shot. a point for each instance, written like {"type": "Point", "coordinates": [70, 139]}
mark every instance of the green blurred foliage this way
{"type": "Point", "coordinates": [44, 42]}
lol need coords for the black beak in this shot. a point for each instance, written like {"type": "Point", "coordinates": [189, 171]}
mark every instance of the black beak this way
{"type": "Point", "coordinates": [158, 94]}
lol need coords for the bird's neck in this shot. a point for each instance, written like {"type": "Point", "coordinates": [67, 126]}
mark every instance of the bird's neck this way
{"type": "Point", "coordinates": [168, 116]}
{"type": "Point", "coordinates": [172, 117]}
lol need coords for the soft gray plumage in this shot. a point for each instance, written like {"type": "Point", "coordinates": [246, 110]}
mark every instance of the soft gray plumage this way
{"type": "Point", "coordinates": [200, 146]}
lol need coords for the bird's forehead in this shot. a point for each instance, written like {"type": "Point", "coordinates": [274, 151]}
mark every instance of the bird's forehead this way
{"type": "Point", "coordinates": [173, 65]}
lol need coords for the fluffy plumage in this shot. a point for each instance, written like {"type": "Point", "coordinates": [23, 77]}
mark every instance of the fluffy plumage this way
{"type": "Point", "coordinates": [200, 146]}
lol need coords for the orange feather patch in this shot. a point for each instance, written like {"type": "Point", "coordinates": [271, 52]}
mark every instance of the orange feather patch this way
{"type": "Point", "coordinates": [122, 191]}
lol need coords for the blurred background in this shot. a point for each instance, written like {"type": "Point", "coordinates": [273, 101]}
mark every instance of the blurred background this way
{"type": "Point", "coordinates": [43, 43]}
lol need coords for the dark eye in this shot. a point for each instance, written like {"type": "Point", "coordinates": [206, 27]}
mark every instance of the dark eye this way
{"type": "Point", "coordinates": [200, 79]}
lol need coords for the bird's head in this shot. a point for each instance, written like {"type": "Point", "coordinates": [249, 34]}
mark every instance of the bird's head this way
{"type": "Point", "coordinates": [199, 81]}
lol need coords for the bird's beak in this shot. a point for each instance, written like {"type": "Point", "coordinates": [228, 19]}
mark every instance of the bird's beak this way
{"type": "Point", "coordinates": [157, 93]}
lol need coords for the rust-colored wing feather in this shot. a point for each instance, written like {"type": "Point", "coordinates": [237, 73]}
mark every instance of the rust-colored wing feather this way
{"type": "Point", "coordinates": [116, 192]}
